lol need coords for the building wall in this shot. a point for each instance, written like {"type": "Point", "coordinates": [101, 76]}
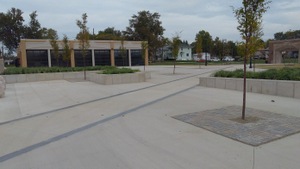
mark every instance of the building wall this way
{"type": "Point", "coordinates": [185, 53]}
{"type": "Point", "coordinates": [276, 47]}
{"type": "Point", "coordinates": [109, 46]}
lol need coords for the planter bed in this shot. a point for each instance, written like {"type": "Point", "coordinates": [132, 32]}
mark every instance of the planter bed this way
{"type": "Point", "coordinates": [104, 79]}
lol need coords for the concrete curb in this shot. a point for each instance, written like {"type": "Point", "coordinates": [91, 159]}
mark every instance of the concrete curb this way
{"type": "Point", "coordinates": [91, 76]}
{"type": "Point", "coordinates": [269, 87]}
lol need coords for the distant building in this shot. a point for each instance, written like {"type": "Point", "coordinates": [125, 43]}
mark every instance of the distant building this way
{"type": "Point", "coordinates": [279, 48]}
{"type": "Point", "coordinates": [201, 56]}
{"type": "Point", "coordinates": [38, 52]}
{"type": "Point", "coordinates": [185, 52]}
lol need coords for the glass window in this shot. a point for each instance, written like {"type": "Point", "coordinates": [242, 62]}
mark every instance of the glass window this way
{"type": "Point", "coordinates": [102, 57]}
{"type": "Point", "coordinates": [79, 61]}
{"type": "Point", "coordinates": [121, 60]}
{"type": "Point", "coordinates": [37, 58]}
{"type": "Point", "coordinates": [136, 57]}
{"type": "Point", "coordinates": [59, 61]}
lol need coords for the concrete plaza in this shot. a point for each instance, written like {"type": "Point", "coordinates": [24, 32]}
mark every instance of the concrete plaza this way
{"type": "Point", "coordinates": [81, 124]}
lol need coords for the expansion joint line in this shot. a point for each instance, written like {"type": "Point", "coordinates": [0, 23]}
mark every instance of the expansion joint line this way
{"type": "Point", "coordinates": [86, 127]}
{"type": "Point", "coordinates": [103, 98]}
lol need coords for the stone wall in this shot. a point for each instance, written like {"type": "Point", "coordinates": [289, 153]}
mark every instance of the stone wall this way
{"type": "Point", "coordinates": [2, 86]}
{"type": "Point", "coordinates": [270, 87]}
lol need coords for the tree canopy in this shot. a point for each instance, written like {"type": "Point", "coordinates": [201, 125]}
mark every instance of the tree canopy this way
{"type": "Point", "coordinates": [287, 35]}
{"type": "Point", "coordinates": [146, 26]}
{"type": "Point", "coordinates": [11, 28]}
{"type": "Point", "coordinates": [206, 40]}
{"type": "Point", "coordinates": [109, 34]}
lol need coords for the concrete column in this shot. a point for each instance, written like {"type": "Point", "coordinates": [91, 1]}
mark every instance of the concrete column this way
{"type": "Point", "coordinates": [112, 56]}
{"type": "Point", "coordinates": [22, 54]}
{"type": "Point", "coordinates": [49, 58]}
{"type": "Point", "coordinates": [277, 57]}
{"type": "Point", "coordinates": [112, 53]}
{"type": "Point", "coordinates": [129, 57]}
{"type": "Point", "coordinates": [93, 57]}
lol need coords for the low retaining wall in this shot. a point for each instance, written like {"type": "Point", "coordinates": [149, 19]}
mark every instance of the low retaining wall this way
{"type": "Point", "coordinates": [118, 78]}
{"type": "Point", "coordinates": [91, 76]}
{"type": "Point", "coordinates": [270, 87]}
{"type": "Point", "coordinates": [2, 86]}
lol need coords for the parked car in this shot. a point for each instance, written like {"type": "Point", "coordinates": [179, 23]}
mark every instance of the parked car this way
{"type": "Point", "coordinates": [228, 58]}
{"type": "Point", "coordinates": [214, 59]}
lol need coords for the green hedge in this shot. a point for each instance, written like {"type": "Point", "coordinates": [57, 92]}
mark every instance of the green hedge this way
{"type": "Point", "coordinates": [114, 70]}
{"type": "Point", "coordinates": [104, 69]}
{"type": "Point", "coordinates": [274, 74]}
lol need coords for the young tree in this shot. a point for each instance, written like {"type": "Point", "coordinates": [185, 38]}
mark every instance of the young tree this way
{"type": "Point", "coordinates": [123, 51]}
{"type": "Point", "coordinates": [175, 49]}
{"type": "Point", "coordinates": [83, 38]}
{"type": "Point", "coordinates": [249, 17]}
{"type": "Point", "coordinates": [146, 27]}
{"type": "Point", "coordinates": [52, 34]}
{"type": "Point", "coordinates": [66, 54]}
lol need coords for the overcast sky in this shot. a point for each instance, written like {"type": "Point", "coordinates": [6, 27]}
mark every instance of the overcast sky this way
{"type": "Point", "coordinates": [187, 17]}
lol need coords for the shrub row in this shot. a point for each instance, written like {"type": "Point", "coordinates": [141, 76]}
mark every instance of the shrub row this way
{"type": "Point", "coordinates": [105, 69]}
{"type": "Point", "coordinates": [273, 74]}
{"type": "Point", "coordinates": [114, 70]}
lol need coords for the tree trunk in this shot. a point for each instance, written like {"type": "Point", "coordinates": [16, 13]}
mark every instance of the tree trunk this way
{"type": "Point", "coordinates": [84, 71]}
{"type": "Point", "coordinates": [174, 66]}
{"type": "Point", "coordinates": [244, 89]}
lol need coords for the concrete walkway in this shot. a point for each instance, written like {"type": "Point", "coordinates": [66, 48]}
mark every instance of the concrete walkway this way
{"type": "Point", "coordinates": [62, 124]}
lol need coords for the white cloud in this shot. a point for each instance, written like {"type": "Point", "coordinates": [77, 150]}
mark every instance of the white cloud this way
{"type": "Point", "coordinates": [190, 16]}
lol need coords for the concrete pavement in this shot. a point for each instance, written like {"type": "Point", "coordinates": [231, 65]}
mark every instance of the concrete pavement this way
{"type": "Point", "coordinates": [61, 124]}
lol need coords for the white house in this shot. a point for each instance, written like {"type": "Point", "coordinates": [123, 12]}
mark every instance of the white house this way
{"type": "Point", "coordinates": [185, 52]}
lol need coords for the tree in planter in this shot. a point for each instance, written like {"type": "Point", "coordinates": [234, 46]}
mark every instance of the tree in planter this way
{"type": "Point", "coordinates": [52, 34]}
{"type": "Point", "coordinates": [83, 38]}
{"type": "Point", "coordinates": [123, 51]}
{"type": "Point", "coordinates": [144, 46]}
{"type": "Point", "coordinates": [66, 54]}
{"type": "Point", "coordinates": [249, 17]}
{"type": "Point", "coordinates": [175, 49]}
